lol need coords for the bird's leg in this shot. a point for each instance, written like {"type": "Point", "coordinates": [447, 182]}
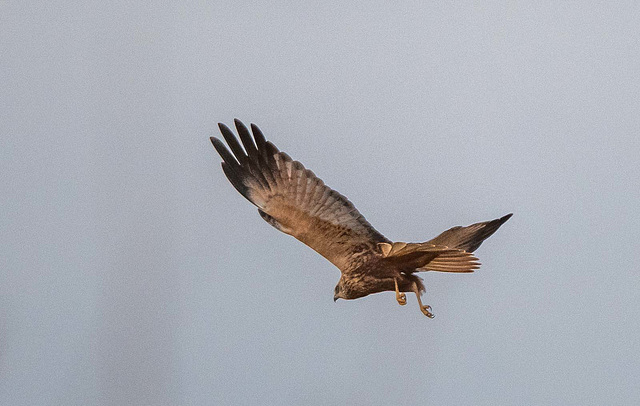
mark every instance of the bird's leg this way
{"type": "Point", "coordinates": [425, 309]}
{"type": "Point", "coordinates": [400, 297]}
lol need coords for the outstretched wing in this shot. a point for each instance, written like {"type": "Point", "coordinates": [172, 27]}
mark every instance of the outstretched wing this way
{"type": "Point", "coordinates": [470, 237]}
{"type": "Point", "coordinates": [292, 199]}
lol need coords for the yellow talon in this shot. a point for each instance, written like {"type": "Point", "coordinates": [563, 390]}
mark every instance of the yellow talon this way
{"type": "Point", "coordinates": [400, 297]}
{"type": "Point", "coordinates": [426, 310]}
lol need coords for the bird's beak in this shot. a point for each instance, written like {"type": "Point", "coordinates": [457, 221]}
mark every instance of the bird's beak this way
{"type": "Point", "coordinates": [335, 298]}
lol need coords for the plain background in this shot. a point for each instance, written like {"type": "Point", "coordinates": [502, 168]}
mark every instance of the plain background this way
{"type": "Point", "coordinates": [131, 272]}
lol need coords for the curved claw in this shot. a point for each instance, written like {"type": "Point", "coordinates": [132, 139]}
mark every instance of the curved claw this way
{"type": "Point", "coordinates": [400, 297]}
{"type": "Point", "coordinates": [426, 310]}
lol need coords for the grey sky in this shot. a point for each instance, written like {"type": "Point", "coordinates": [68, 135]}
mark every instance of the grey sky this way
{"type": "Point", "coordinates": [131, 271]}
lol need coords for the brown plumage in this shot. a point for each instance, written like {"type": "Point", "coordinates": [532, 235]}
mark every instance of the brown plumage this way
{"type": "Point", "coordinates": [295, 201]}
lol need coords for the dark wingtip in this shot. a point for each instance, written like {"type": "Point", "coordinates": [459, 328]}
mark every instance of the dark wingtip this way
{"type": "Point", "coordinates": [240, 126]}
{"type": "Point", "coordinates": [255, 129]}
{"type": "Point", "coordinates": [505, 218]}
{"type": "Point", "coordinates": [224, 152]}
{"type": "Point", "coordinates": [247, 140]}
{"type": "Point", "coordinates": [261, 142]}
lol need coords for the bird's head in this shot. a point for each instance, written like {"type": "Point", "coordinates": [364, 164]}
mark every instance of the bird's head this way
{"type": "Point", "coordinates": [351, 287]}
{"type": "Point", "coordinates": [338, 292]}
{"type": "Point", "coordinates": [347, 289]}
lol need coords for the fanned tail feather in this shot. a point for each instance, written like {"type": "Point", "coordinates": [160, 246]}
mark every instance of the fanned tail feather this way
{"type": "Point", "coordinates": [412, 257]}
{"type": "Point", "coordinates": [457, 261]}
{"type": "Point", "coordinates": [448, 252]}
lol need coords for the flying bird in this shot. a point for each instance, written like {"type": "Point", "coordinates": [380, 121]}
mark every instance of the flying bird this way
{"type": "Point", "coordinates": [295, 201]}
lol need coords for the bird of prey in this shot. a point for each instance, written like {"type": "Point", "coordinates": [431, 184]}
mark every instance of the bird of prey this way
{"type": "Point", "coordinates": [295, 201]}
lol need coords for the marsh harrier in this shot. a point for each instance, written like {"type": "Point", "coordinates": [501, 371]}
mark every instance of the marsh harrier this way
{"type": "Point", "coordinates": [295, 201]}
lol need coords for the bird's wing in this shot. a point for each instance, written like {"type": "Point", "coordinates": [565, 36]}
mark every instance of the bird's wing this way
{"type": "Point", "coordinates": [470, 237]}
{"type": "Point", "coordinates": [292, 199]}
{"type": "Point", "coordinates": [425, 256]}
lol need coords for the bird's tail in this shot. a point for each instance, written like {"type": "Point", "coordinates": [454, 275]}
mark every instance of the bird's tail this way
{"type": "Point", "coordinates": [423, 256]}
{"type": "Point", "coordinates": [448, 252]}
